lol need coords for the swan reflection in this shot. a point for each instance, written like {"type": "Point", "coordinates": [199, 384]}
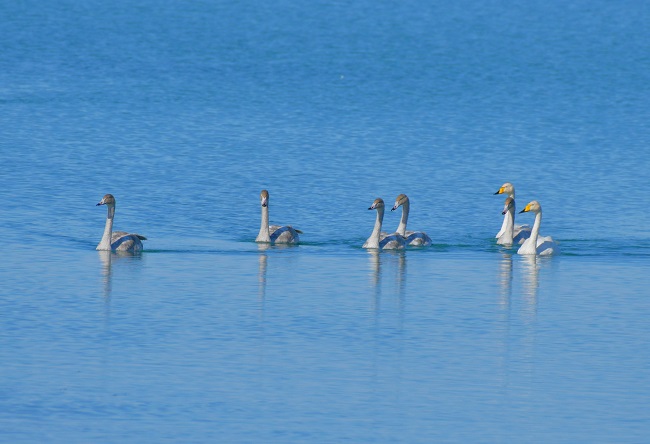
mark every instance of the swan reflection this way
{"type": "Point", "coordinates": [108, 259]}
{"type": "Point", "coordinates": [531, 281]}
{"type": "Point", "coordinates": [377, 261]}
{"type": "Point", "coordinates": [263, 265]}
{"type": "Point", "coordinates": [375, 276]}
{"type": "Point", "coordinates": [531, 276]}
{"type": "Point", "coordinates": [105, 257]}
{"type": "Point", "coordinates": [505, 279]}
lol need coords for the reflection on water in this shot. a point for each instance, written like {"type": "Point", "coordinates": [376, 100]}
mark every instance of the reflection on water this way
{"type": "Point", "coordinates": [401, 275]}
{"type": "Point", "coordinates": [263, 258]}
{"type": "Point", "coordinates": [378, 260]}
{"type": "Point", "coordinates": [375, 267]}
{"type": "Point", "coordinates": [531, 282]}
{"type": "Point", "coordinates": [375, 277]}
{"type": "Point", "coordinates": [505, 280]}
{"type": "Point", "coordinates": [261, 274]}
{"type": "Point", "coordinates": [106, 259]}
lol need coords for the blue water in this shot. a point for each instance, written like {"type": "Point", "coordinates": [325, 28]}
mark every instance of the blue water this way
{"type": "Point", "coordinates": [186, 110]}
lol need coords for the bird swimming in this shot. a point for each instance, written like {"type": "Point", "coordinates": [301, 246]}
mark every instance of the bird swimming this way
{"type": "Point", "coordinates": [389, 242]}
{"type": "Point", "coordinates": [415, 238]}
{"type": "Point", "coordinates": [536, 244]}
{"type": "Point", "coordinates": [117, 240]}
{"type": "Point", "coordinates": [275, 234]}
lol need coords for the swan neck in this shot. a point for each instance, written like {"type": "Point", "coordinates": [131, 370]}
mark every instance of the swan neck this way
{"type": "Point", "coordinates": [401, 228]}
{"type": "Point", "coordinates": [378, 221]}
{"type": "Point", "coordinates": [105, 243]}
{"type": "Point", "coordinates": [535, 231]}
{"type": "Point", "coordinates": [373, 240]}
{"type": "Point", "coordinates": [264, 235]}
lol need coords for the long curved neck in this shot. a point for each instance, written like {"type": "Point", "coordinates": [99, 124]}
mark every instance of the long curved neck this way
{"type": "Point", "coordinates": [401, 228]}
{"type": "Point", "coordinates": [535, 231]}
{"type": "Point", "coordinates": [105, 243]}
{"type": "Point", "coordinates": [264, 235]}
{"type": "Point", "coordinates": [373, 240]}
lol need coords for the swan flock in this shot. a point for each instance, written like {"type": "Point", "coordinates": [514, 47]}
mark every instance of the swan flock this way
{"type": "Point", "coordinates": [529, 239]}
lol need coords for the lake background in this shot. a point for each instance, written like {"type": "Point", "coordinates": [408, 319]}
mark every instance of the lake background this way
{"type": "Point", "coordinates": [186, 110]}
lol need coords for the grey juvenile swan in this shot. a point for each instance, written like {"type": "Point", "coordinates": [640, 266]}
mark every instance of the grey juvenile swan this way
{"type": "Point", "coordinates": [390, 242]}
{"type": "Point", "coordinates": [274, 233]}
{"type": "Point", "coordinates": [117, 240]}
{"type": "Point", "coordinates": [415, 238]}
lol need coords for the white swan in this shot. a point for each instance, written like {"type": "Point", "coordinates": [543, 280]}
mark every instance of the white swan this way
{"type": "Point", "coordinates": [536, 244]}
{"type": "Point", "coordinates": [512, 234]}
{"type": "Point", "coordinates": [117, 240]}
{"type": "Point", "coordinates": [390, 242]}
{"type": "Point", "coordinates": [415, 238]}
{"type": "Point", "coordinates": [509, 189]}
{"type": "Point", "coordinates": [274, 233]}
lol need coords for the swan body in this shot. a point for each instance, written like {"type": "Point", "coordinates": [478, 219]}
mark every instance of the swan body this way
{"type": "Point", "coordinates": [512, 234]}
{"type": "Point", "coordinates": [536, 244]}
{"type": "Point", "coordinates": [117, 240]}
{"type": "Point", "coordinates": [415, 238]}
{"type": "Point", "coordinates": [389, 242]}
{"type": "Point", "coordinates": [275, 234]}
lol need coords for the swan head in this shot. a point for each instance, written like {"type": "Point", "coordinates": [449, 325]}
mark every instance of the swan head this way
{"type": "Point", "coordinates": [264, 198]}
{"type": "Point", "coordinates": [377, 204]}
{"type": "Point", "coordinates": [509, 205]}
{"type": "Point", "coordinates": [507, 188]}
{"type": "Point", "coordinates": [109, 201]}
{"type": "Point", "coordinates": [533, 207]}
{"type": "Point", "coordinates": [400, 200]}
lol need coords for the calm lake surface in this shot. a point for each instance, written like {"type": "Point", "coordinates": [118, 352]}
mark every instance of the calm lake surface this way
{"type": "Point", "coordinates": [184, 111]}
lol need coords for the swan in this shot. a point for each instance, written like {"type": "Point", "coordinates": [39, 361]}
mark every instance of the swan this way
{"type": "Point", "coordinates": [512, 234]}
{"type": "Point", "coordinates": [509, 189]}
{"type": "Point", "coordinates": [415, 238]}
{"type": "Point", "coordinates": [117, 240]}
{"type": "Point", "coordinates": [274, 233]}
{"type": "Point", "coordinates": [535, 244]}
{"type": "Point", "coordinates": [389, 242]}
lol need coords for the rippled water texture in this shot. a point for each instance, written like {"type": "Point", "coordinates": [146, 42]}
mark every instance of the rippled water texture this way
{"type": "Point", "coordinates": [186, 110]}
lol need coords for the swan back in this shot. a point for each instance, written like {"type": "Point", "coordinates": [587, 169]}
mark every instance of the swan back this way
{"type": "Point", "coordinates": [392, 242]}
{"type": "Point", "coordinates": [417, 239]}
